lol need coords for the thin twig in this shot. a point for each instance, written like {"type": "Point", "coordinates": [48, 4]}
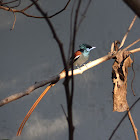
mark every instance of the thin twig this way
{"type": "Point", "coordinates": [9, 2]}
{"type": "Point", "coordinates": [133, 75]}
{"type": "Point", "coordinates": [71, 31]}
{"type": "Point", "coordinates": [125, 36]}
{"type": "Point", "coordinates": [83, 15]}
{"type": "Point", "coordinates": [29, 6]}
{"type": "Point", "coordinates": [73, 43]}
{"type": "Point", "coordinates": [122, 119]}
{"type": "Point", "coordinates": [138, 40]}
{"type": "Point", "coordinates": [54, 33]}
{"type": "Point", "coordinates": [19, 2]}
{"type": "Point", "coordinates": [60, 10]}
{"type": "Point", "coordinates": [133, 125]}
{"type": "Point", "coordinates": [28, 15]}
{"type": "Point", "coordinates": [134, 51]}
{"type": "Point", "coordinates": [14, 21]}
{"type": "Point", "coordinates": [64, 112]}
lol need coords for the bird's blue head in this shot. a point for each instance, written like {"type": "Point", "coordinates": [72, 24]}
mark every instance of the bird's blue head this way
{"type": "Point", "coordinates": [85, 48]}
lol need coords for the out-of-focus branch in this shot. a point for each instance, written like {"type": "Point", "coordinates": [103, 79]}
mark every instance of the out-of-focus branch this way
{"type": "Point", "coordinates": [11, 2]}
{"type": "Point", "coordinates": [53, 32]}
{"type": "Point", "coordinates": [134, 5]}
{"type": "Point", "coordinates": [69, 94]}
{"type": "Point", "coordinates": [84, 14]}
{"type": "Point", "coordinates": [22, 11]}
{"type": "Point", "coordinates": [4, 3]}
{"type": "Point", "coordinates": [5, 6]}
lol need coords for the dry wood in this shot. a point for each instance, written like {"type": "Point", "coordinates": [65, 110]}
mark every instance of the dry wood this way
{"type": "Point", "coordinates": [119, 78]}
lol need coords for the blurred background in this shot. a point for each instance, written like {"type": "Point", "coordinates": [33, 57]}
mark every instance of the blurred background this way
{"type": "Point", "coordinates": [29, 54]}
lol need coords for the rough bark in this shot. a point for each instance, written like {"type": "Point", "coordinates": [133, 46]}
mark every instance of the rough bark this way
{"type": "Point", "coordinates": [119, 78]}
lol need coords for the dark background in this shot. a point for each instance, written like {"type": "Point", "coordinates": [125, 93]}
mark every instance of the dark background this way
{"type": "Point", "coordinates": [29, 53]}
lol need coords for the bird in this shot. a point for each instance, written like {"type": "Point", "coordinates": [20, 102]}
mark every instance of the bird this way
{"type": "Point", "coordinates": [80, 57]}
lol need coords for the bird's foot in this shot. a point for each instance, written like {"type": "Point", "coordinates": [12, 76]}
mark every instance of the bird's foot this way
{"type": "Point", "coordinates": [79, 68]}
{"type": "Point", "coordinates": [85, 65]}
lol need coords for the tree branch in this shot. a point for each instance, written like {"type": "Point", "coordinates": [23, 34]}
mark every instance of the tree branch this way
{"type": "Point", "coordinates": [59, 77]}
{"type": "Point", "coordinates": [133, 125]}
{"type": "Point", "coordinates": [125, 36]}
{"type": "Point", "coordinates": [7, 8]}
{"type": "Point", "coordinates": [122, 119]}
{"type": "Point", "coordinates": [28, 90]}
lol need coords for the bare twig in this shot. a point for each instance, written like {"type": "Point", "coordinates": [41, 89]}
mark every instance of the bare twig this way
{"type": "Point", "coordinates": [71, 31]}
{"type": "Point", "coordinates": [122, 119]}
{"type": "Point", "coordinates": [133, 75]}
{"type": "Point", "coordinates": [135, 50]}
{"type": "Point", "coordinates": [29, 6]}
{"type": "Point", "coordinates": [83, 15]}
{"type": "Point", "coordinates": [10, 2]}
{"type": "Point", "coordinates": [14, 21]}
{"type": "Point", "coordinates": [133, 125]}
{"type": "Point", "coordinates": [132, 44]}
{"type": "Point", "coordinates": [53, 32]}
{"type": "Point", "coordinates": [60, 10]}
{"type": "Point", "coordinates": [124, 38]}
{"type": "Point", "coordinates": [28, 15]}
{"type": "Point", "coordinates": [28, 90]}
{"type": "Point", "coordinates": [5, 3]}
{"type": "Point", "coordinates": [19, 2]}
{"type": "Point", "coordinates": [64, 112]}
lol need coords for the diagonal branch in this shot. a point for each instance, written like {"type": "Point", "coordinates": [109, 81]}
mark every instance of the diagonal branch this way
{"type": "Point", "coordinates": [83, 15]}
{"type": "Point", "coordinates": [60, 10]}
{"type": "Point", "coordinates": [14, 21]}
{"type": "Point", "coordinates": [138, 40]}
{"type": "Point", "coordinates": [122, 119]}
{"type": "Point", "coordinates": [133, 125]}
{"type": "Point", "coordinates": [53, 79]}
{"type": "Point", "coordinates": [59, 77]}
{"type": "Point", "coordinates": [29, 6]}
{"type": "Point", "coordinates": [28, 90]}
{"type": "Point", "coordinates": [53, 32]}
{"type": "Point", "coordinates": [4, 3]}
{"type": "Point", "coordinates": [125, 36]}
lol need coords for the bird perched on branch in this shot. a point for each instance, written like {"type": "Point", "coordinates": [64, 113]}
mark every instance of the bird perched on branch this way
{"type": "Point", "coordinates": [80, 57]}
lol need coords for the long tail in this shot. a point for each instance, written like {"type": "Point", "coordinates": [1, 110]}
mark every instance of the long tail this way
{"type": "Point", "coordinates": [32, 109]}
{"type": "Point", "coordinates": [34, 106]}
